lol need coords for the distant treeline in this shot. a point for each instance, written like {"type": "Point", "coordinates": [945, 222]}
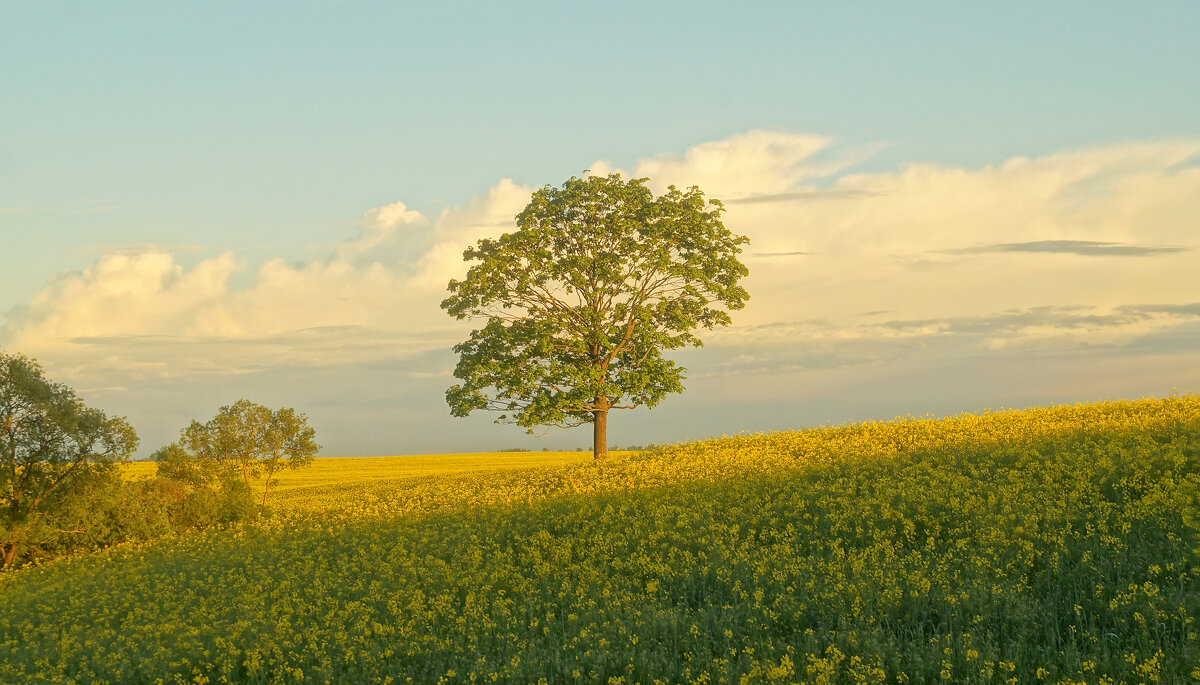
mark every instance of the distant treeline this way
{"type": "Point", "coordinates": [611, 448]}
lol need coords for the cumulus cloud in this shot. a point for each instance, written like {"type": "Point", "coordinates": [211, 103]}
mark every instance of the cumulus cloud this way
{"type": "Point", "coordinates": [927, 264]}
{"type": "Point", "coordinates": [749, 164]}
{"type": "Point", "coordinates": [369, 296]}
{"type": "Point", "coordinates": [389, 234]}
{"type": "Point", "coordinates": [486, 216]}
{"type": "Point", "coordinates": [122, 293]}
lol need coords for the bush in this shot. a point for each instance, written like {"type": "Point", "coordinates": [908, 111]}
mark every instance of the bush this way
{"type": "Point", "coordinates": [105, 510]}
{"type": "Point", "coordinates": [98, 512]}
{"type": "Point", "coordinates": [199, 507]}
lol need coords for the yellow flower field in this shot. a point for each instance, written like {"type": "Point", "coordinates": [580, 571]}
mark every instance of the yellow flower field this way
{"type": "Point", "coordinates": [330, 481]}
{"type": "Point", "coordinates": [1055, 545]}
{"type": "Point", "coordinates": [328, 471]}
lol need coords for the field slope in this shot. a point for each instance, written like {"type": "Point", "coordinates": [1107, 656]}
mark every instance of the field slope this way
{"type": "Point", "coordinates": [1048, 545]}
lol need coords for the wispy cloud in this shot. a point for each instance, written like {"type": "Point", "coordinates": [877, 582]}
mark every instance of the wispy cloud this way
{"type": "Point", "coordinates": [1062, 331]}
{"type": "Point", "coordinates": [799, 195]}
{"type": "Point", "coordinates": [48, 209]}
{"type": "Point", "coordinates": [135, 249]}
{"type": "Point", "coordinates": [796, 253]}
{"type": "Point", "coordinates": [1178, 309]}
{"type": "Point", "coordinates": [1086, 248]}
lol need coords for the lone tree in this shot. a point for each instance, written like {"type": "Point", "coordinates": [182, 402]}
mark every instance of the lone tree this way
{"type": "Point", "coordinates": [244, 439]}
{"type": "Point", "coordinates": [52, 447]}
{"type": "Point", "coordinates": [581, 301]}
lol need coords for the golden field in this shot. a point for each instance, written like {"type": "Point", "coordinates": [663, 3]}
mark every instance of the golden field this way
{"type": "Point", "coordinates": [332, 481]}
{"type": "Point", "coordinates": [1057, 545]}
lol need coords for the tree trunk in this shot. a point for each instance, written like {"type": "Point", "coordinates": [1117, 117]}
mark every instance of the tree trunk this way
{"type": "Point", "coordinates": [600, 429]}
{"type": "Point", "coordinates": [266, 487]}
{"type": "Point", "coordinates": [14, 534]}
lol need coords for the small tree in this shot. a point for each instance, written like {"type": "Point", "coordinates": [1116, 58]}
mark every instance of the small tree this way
{"type": "Point", "coordinates": [580, 302]}
{"type": "Point", "coordinates": [244, 439]}
{"type": "Point", "coordinates": [288, 442]}
{"type": "Point", "coordinates": [53, 448]}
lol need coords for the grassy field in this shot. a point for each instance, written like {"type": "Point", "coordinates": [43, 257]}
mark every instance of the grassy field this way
{"type": "Point", "coordinates": [1055, 545]}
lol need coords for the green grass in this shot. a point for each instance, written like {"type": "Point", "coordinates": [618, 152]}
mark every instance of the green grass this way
{"type": "Point", "coordinates": [1047, 546]}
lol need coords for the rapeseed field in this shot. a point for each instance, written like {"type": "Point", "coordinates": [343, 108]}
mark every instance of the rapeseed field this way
{"type": "Point", "coordinates": [330, 482]}
{"type": "Point", "coordinates": [1051, 545]}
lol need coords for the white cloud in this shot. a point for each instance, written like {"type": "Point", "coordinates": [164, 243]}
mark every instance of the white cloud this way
{"type": "Point", "coordinates": [924, 241]}
{"type": "Point", "coordinates": [376, 293]}
{"type": "Point", "coordinates": [749, 164]}
{"type": "Point", "coordinates": [124, 293]}
{"type": "Point", "coordinates": [486, 216]}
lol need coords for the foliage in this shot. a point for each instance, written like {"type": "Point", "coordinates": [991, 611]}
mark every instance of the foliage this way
{"type": "Point", "coordinates": [110, 511]}
{"type": "Point", "coordinates": [581, 301]}
{"type": "Point", "coordinates": [53, 450]}
{"type": "Point", "coordinates": [1054, 545]}
{"type": "Point", "coordinates": [63, 491]}
{"type": "Point", "coordinates": [191, 507]}
{"type": "Point", "coordinates": [245, 439]}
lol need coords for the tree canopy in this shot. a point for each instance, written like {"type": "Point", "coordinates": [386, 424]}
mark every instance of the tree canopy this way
{"type": "Point", "coordinates": [580, 302]}
{"type": "Point", "coordinates": [245, 440]}
{"type": "Point", "coordinates": [51, 445]}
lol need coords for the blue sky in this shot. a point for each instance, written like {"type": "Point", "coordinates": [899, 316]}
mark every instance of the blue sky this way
{"type": "Point", "coordinates": [174, 136]}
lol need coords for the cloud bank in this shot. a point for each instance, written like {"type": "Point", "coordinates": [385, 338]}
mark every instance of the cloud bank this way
{"type": "Point", "coordinates": [860, 283]}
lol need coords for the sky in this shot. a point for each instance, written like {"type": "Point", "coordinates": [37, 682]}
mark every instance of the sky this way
{"type": "Point", "coordinates": [951, 206]}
